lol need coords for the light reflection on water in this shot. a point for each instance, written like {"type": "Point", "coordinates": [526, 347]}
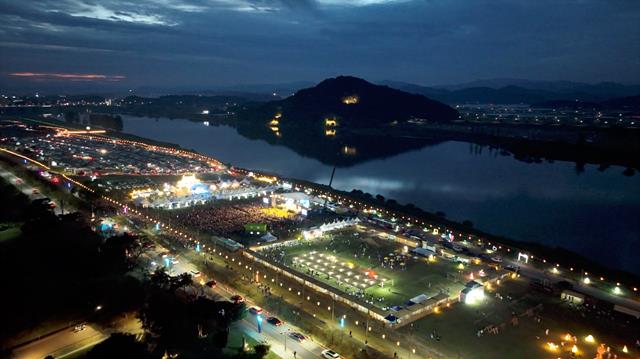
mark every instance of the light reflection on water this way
{"type": "Point", "coordinates": [547, 202]}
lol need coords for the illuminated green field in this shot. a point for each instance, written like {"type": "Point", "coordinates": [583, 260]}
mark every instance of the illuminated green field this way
{"type": "Point", "coordinates": [358, 261]}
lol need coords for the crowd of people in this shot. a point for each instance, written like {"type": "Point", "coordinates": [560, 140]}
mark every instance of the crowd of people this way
{"type": "Point", "coordinates": [229, 219]}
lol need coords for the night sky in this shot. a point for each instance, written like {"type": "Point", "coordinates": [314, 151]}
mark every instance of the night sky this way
{"type": "Point", "coordinates": [212, 43]}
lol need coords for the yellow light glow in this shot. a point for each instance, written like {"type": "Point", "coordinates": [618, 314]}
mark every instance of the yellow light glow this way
{"type": "Point", "coordinates": [350, 100]}
{"type": "Point", "coordinates": [574, 349]}
{"type": "Point", "coordinates": [589, 339]}
{"type": "Point", "coordinates": [567, 337]}
{"type": "Point", "coordinates": [330, 122]}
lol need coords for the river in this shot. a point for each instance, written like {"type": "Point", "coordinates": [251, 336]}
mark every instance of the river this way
{"type": "Point", "coordinates": [594, 213]}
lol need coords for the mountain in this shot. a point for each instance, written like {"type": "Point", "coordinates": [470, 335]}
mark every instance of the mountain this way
{"type": "Point", "coordinates": [518, 91]}
{"type": "Point", "coordinates": [279, 89]}
{"type": "Point", "coordinates": [618, 103]}
{"type": "Point", "coordinates": [628, 102]}
{"type": "Point", "coordinates": [354, 103]}
{"type": "Point", "coordinates": [342, 121]}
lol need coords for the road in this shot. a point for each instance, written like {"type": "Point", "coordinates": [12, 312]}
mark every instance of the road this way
{"type": "Point", "coordinates": [277, 337]}
{"type": "Point", "coordinates": [61, 344]}
{"type": "Point", "coordinates": [31, 192]}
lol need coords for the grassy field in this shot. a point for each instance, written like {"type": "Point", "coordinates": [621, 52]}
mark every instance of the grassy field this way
{"type": "Point", "coordinates": [9, 231]}
{"type": "Point", "coordinates": [457, 327]}
{"type": "Point", "coordinates": [363, 253]}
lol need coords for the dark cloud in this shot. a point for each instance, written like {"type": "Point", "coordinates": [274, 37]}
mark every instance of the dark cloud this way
{"type": "Point", "coordinates": [200, 43]}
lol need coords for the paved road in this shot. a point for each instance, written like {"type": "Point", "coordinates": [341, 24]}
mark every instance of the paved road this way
{"type": "Point", "coordinates": [61, 344]}
{"type": "Point", "coordinates": [277, 337]}
{"type": "Point", "coordinates": [31, 192]}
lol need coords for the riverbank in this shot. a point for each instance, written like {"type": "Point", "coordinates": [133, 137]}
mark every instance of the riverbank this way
{"type": "Point", "coordinates": [541, 250]}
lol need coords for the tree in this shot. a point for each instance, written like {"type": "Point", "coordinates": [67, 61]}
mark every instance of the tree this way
{"type": "Point", "coordinates": [198, 326]}
{"type": "Point", "coordinates": [160, 278]}
{"type": "Point", "coordinates": [261, 350]}
{"type": "Point", "coordinates": [122, 251]}
{"type": "Point", "coordinates": [180, 281]}
{"type": "Point", "coordinates": [168, 320]}
{"type": "Point", "coordinates": [238, 311]}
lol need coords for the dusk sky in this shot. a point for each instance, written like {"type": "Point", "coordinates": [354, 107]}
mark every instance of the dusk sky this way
{"type": "Point", "coordinates": [212, 43]}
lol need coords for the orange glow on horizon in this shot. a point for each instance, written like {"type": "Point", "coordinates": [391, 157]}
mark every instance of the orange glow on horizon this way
{"type": "Point", "coordinates": [68, 76]}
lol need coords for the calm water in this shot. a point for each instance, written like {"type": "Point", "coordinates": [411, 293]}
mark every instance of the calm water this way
{"type": "Point", "coordinates": [593, 213]}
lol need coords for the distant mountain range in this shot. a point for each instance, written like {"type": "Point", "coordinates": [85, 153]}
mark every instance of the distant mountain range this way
{"type": "Point", "coordinates": [517, 91]}
{"type": "Point", "coordinates": [495, 91]}
{"type": "Point", "coordinates": [618, 103]}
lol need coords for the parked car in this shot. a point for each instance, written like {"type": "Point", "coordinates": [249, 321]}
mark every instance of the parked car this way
{"type": "Point", "coordinates": [330, 354]}
{"type": "Point", "coordinates": [237, 299]}
{"type": "Point", "coordinates": [255, 310]}
{"type": "Point", "coordinates": [274, 321]}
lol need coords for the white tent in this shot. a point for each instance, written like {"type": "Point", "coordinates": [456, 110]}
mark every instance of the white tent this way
{"type": "Point", "coordinates": [269, 237]}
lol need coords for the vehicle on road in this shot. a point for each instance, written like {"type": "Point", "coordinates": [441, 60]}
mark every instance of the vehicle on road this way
{"type": "Point", "coordinates": [274, 321]}
{"type": "Point", "coordinates": [195, 274]}
{"type": "Point", "coordinates": [211, 284]}
{"type": "Point", "coordinates": [297, 336]}
{"type": "Point", "coordinates": [512, 268]}
{"type": "Point", "coordinates": [330, 354]}
{"type": "Point", "coordinates": [79, 328]}
{"type": "Point", "coordinates": [237, 299]}
{"type": "Point", "coordinates": [255, 310]}
{"type": "Point", "coordinates": [496, 259]}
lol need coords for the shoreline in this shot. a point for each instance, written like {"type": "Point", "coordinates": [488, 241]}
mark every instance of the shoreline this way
{"type": "Point", "coordinates": [550, 254]}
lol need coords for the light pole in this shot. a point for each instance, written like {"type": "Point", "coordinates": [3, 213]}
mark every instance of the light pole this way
{"type": "Point", "coordinates": [333, 306]}
{"type": "Point", "coordinates": [285, 339]}
{"type": "Point", "coordinates": [366, 329]}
